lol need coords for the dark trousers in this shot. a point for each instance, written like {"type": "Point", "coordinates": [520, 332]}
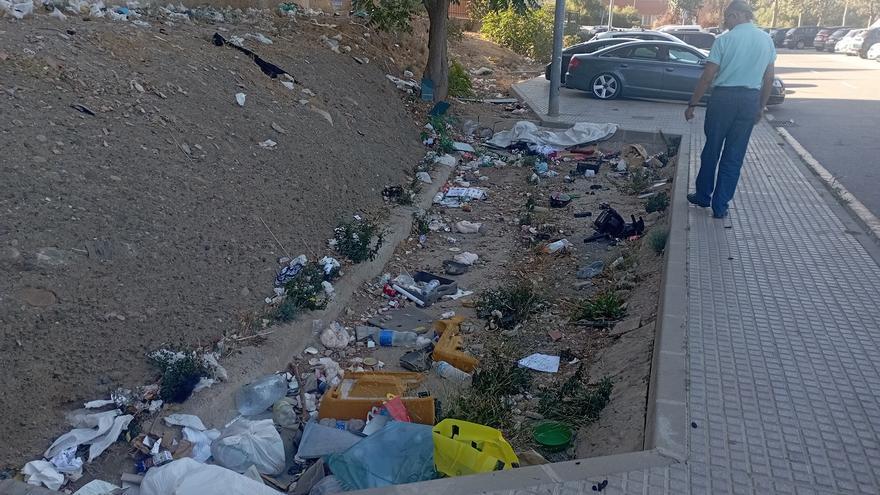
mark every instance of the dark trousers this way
{"type": "Point", "coordinates": [730, 116]}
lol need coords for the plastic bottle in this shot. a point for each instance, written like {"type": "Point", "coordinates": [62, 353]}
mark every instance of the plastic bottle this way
{"type": "Point", "coordinates": [260, 394]}
{"type": "Point", "coordinates": [389, 338]}
{"type": "Point", "coordinates": [450, 372]}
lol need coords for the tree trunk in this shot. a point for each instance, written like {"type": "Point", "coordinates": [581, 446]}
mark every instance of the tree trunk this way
{"type": "Point", "coordinates": [437, 68]}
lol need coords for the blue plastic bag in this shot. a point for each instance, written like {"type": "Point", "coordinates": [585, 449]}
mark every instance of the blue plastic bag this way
{"type": "Point", "coordinates": [398, 453]}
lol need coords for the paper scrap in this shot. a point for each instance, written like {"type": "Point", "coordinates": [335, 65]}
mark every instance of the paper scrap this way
{"type": "Point", "coordinates": [178, 419]}
{"type": "Point", "coordinates": [540, 362]}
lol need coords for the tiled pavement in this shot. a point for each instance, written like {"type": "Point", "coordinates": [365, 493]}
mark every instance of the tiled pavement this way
{"type": "Point", "coordinates": [783, 327]}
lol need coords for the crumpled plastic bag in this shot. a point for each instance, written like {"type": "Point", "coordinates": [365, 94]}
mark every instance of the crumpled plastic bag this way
{"type": "Point", "coordinates": [188, 477]}
{"type": "Point", "coordinates": [335, 336]}
{"type": "Point", "coordinates": [398, 453]}
{"type": "Point", "coordinates": [17, 8]}
{"type": "Point", "coordinates": [246, 442]}
{"type": "Point", "coordinates": [42, 473]}
{"type": "Point", "coordinates": [98, 429]}
{"type": "Point", "coordinates": [201, 442]}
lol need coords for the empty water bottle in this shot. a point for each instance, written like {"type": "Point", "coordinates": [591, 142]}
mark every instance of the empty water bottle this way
{"type": "Point", "coordinates": [260, 394]}
{"type": "Point", "coordinates": [450, 372]}
{"type": "Point", "coordinates": [390, 338]}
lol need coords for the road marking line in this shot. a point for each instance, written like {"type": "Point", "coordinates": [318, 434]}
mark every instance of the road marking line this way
{"type": "Point", "coordinates": [850, 201]}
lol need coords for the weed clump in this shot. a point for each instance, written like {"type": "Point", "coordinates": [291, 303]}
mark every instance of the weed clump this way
{"type": "Point", "coordinates": [639, 180]}
{"type": "Point", "coordinates": [485, 402]}
{"type": "Point", "coordinates": [658, 202]}
{"type": "Point", "coordinates": [358, 240]}
{"type": "Point", "coordinates": [575, 403]}
{"type": "Point", "coordinates": [657, 240]}
{"type": "Point", "coordinates": [305, 291]}
{"type": "Point", "coordinates": [514, 302]}
{"type": "Point", "coordinates": [604, 306]}
{"type": "Point", "coordinates": [459, 80]}
{"type": "Point", "coordinates": [181, 371]}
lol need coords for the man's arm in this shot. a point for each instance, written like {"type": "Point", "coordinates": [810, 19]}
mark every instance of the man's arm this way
{"type": "Point", "coordinates": [766, 87]}
{"type": "Point", "coordinates": [709, 73]}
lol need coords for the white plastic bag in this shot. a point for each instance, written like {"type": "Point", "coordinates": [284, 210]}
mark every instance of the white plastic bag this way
{"type": "Point", "coordinates": [17, 8]}
{"type": "Point", "coordinates": [42, 472]}
{"type": "Point", "coordinates": [246, 442]}
{"type": "Point", "coordinates": [335, 336]}
{"type": "Point", "coordinates": [188, 477]}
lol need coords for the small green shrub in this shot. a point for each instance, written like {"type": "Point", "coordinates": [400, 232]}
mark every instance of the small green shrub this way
{"type": "Point", "coordinates": [287, 310]}
{"type": "Point", "coordinates": [658, 202]}
{"type": "Point", "coordinates": [305, 291]}
{"type": "Point", "coordinates": [180, 374]}
{"type": "Point", "coordinates": [515, 302]}
{"type": "Point", "coordinates": [576, 403]}
{"type": "Point", "coordinates": [459, 81]}
{"type": "Point", "coordinates": [358, 240]}
{"type": "Point", "coordinates": [603, 306]}
{"type": "Point", "coordinates": [657, 240]}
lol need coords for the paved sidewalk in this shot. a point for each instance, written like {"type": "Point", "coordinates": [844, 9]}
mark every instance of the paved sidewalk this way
{"type": "Point", "coordinates": [782, 328]}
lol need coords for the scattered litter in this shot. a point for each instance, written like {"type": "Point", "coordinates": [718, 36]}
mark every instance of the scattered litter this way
{"type": "Point", "coordinates": [277, 128]}
{"type": "Point", "coordinates": [454, 267]}
{"type": "Point", "coordinates": [527, 132]}
{"type": "Point", "coordinates": [319, 440]}
{"type": "Point", "coordinates": [424, 177]}
{"type": "Point", "coordinates": [560, 246]}
{"type": "Point", "coordinates": [201, 442]}
{"type": "Point", "coordinates": [466, 227]}
{"type": "Point", "coordinates": [83, 109]}
{"type": "Point", "coordinates": [458, 146]}
{"type": "Point", "coordinates": [18, 10]}
{"type": "Point", "coordinates": [594, 269]}
{"type": "Point", "coordinates": [67, 462]}
{"type": "Point", "coordinates": [540, 362]}
{"type": "Point", "coordinates": [187, 476]}
{"type": "Point", "coordinates": [335, 336]}
{"type": "Point", "coordinates": [259, 37]}
{"type": "Point", "coordinates": [189, 420]}
{"type": "Point", "coordinates": [240, 98]}
{"type": "Point", "coordinates": [409, 86]}
{"type": "Point", "coordinates": [462, 448]}
{"type": "Point", "coordinates": [447, 160]}
{"type": "Point", "coordinates": [259, 395]}
{"type": "Point", "coordinates": [268, 144]}
{"type": "Point", "coordinates": [288, 84]}
{"type": "Point", "coordinates": [269, 69]}
{"type": "Point", "coordinates": [97, 487]}
{"type": "Point", "coordinates": [398, 453]}
{"type": "Point", "coordinates": [96, 404]}
{"type": "Point", "coordinates": [466, 258]}
{"type": "Point", "coordinates": [42, 473]}
{"type": "Point", "coordinates": [244, 443]}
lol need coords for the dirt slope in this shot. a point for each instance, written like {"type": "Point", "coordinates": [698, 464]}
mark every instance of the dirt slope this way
{"type": "Point", "coordinates": [140, 225]}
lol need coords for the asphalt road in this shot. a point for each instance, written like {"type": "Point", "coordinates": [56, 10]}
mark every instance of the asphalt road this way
{"type": "Point", "coordinates": [834, 103]}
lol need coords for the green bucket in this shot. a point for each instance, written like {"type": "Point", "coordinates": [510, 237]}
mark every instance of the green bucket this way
{"type": "Point", "coordinates": [553, 436]}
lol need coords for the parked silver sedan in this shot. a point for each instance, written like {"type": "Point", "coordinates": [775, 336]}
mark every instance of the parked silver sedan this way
{"type": "Point", "coordinates": [644, 69]}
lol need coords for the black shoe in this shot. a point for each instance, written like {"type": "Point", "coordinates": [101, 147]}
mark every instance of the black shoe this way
{"type": "Point", "coordinates": [692, 199]}
{"type": "Point", "coordinates": [720, 215]}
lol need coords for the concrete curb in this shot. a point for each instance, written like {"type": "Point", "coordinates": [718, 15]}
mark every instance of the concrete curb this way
{"type": "Point", "coordinates": [666, 418]}
{"type": "Point", "coordinates": [850, 202]}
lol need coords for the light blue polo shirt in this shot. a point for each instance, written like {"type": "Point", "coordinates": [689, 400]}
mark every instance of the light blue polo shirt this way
{"type": "Point", "coordinates": [742, 55]}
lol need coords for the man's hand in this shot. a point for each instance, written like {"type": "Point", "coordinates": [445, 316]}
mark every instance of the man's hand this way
{"type": "Point", "coordinates": [689, 113]}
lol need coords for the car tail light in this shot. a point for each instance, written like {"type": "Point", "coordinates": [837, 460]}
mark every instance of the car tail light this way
{"type": "Point", "coordinates": [575, 62]}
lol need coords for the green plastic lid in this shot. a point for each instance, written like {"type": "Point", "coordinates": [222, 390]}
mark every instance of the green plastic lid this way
{"type": "Point", "coordinates": [552, 435]}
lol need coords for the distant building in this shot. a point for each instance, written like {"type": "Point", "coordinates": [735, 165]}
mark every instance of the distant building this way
{"type": "Point", "coordinates": [650, 10]}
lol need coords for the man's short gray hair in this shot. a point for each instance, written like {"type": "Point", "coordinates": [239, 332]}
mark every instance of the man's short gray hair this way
{"type": "Point", "coordinates": [740, 7]}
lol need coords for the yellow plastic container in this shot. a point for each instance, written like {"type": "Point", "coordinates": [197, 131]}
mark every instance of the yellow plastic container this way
{"type": "Point", "coordinates": [360, 391]}
{"type": "Point", "coordinates": [449, 347]}
{"type": "Point", "coordinates": [462, 448]}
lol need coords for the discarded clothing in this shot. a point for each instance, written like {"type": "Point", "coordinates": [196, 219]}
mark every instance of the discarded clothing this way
{"type": "Point", "coordinates": [269, 69]}
{"type": "Point", "coordinates": [290, 271]}
{"type": "Point", "coordinates": [527, 132]}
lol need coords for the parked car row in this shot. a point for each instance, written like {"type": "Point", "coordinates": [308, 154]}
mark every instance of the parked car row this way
{"type": "Point", "coordinates": [644, 69]}
{"type": "Point", "coordinates": [840, 39]}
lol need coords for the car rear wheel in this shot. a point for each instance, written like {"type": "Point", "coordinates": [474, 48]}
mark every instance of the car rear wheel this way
{"type": "Point", "coordinates": [800, 45]}
{"type": "Point", "coordinates": [605, 86]}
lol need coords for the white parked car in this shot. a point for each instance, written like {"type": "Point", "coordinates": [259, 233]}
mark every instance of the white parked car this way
{"type": "Point", "coordinates": [847, 43]}
{"type": "Point", "coordinates": [874, 52]}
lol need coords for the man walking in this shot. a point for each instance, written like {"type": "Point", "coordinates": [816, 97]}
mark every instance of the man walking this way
{"type": "Point", "coordinates": [740, 72]}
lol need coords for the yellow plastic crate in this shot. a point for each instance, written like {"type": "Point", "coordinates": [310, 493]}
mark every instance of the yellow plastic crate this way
{"type": "Point", "coordinates": [462, 448]}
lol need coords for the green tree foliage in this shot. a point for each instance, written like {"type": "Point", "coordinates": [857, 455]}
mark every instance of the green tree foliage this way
{"type": "Point", "coordinates": [593, 12]}
{"type": "Point", "coordinates": [626, 17]}
{"type": "Point", "coordinates": [389, 15]}
{"type": "Point", "coordinates": [529, 33]}
{"type": "Point", "coordinates": [815, 12]}
{"type": "Point", "coordinates": [459, 81]}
